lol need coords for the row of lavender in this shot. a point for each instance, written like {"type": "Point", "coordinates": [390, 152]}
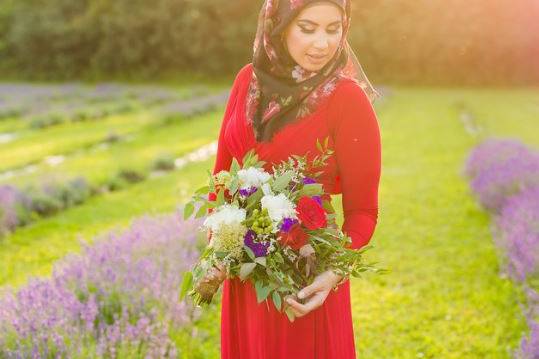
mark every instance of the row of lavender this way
{"type": "Point", "coordinates": [504, 175]}
{"type": "Point", "coordinates": [117, 299]}
{"type": "Point", "coordinates": [19, 207]}
{"type": "Point", "coordinates": [48, 105]}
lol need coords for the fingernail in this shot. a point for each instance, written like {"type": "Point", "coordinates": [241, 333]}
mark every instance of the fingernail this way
{"type": "Point", "coordinates": [300, 295]}
{"type": "Point", "coordinates": [289, 301]}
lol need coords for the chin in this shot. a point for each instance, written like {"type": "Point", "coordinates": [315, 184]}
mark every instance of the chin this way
{"type": "Point", "coordinates": [313, 68]}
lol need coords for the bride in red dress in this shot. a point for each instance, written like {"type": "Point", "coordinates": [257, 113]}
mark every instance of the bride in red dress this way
{"type": "Point", "coordinates": [304, 83]}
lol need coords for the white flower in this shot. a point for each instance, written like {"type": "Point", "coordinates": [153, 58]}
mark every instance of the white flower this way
{"type": "Point", "coordinates": [278, 207]}
{"type": "Point", "coordinates": [226, 214]}
{"type": "Point", "coordinates": [252, 177]}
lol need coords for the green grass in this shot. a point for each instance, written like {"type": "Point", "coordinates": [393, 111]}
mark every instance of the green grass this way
{"type": "Point", "coordinates": [150, 141]}
{"type": "Point", "coordinates": [32, 250]}
{"type": "Point", "coordinates": [34, 145]}
{"type": "Point", "coordinates": [444, 297]}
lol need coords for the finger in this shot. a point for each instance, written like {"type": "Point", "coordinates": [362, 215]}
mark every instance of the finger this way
{"type": "Point", "coordinates": [315, 301]}
{"type": "Point", "coordinates": [300, 308]}
{"type": "Point", "coordinates": [307, 291]}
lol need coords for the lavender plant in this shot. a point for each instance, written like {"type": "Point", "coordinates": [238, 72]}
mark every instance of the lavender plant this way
{"type": "Point", "coordinates": [117, 299]}
{"type": "Point", "coordinates": [517, 232]}
{"type": "Point", "coordinates": [509, 169]}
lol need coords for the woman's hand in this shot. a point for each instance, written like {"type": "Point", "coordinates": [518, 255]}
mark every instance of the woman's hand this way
{"type": "Point", "coordinates": [318, 291]}
{"type": "Point", "coordinates": [216, 272]}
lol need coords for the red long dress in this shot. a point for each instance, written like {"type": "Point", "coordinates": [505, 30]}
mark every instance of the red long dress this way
{"type": "Point", "coordinates": [250, 330]}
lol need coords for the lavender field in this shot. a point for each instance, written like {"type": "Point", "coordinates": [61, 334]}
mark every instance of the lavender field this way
{"type": "Point", "coordinates": [92, 245]}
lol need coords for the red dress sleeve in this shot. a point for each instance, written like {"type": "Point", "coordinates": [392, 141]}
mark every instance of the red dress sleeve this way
{"type": "Point", "coordinates": [356, 137]}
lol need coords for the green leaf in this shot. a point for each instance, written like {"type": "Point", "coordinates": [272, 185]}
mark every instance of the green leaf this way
{"type": "Point", "coordinates": [282, 181]}
{"type": "Point", "coordinates": [221, 197]}
{"type": "Point", "coordinates": [250, 252]}
{"type": "Point", "coordinates": [261, 291]}
{"type": "Point", "coordinates": [319, 146]}
{"type": "Point", "coordinates": [187, 282]}
{"type": "Point", "coordinates": [203, 190]}
{"type": "Point", "coordinates": [234, 185]}
{"type": "Point", "coordinates": [276, 300]}
{"type": "Point", "coordinates": [246, 269]}
{"type": "Point", "coordinates": [201, 211]}
{"type": "Point", "coordinates": [261, 261]}
{"type": "Point", "coordinates": [235, 166]}
{"type": "Point", "coordinates": [290, 314]}
{"type": "Point", "coordinates": [188, 210]}
{"type": "Point", "coordinates": [311, 189]}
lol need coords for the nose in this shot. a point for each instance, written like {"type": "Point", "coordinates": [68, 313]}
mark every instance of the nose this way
{"type": "Point", "coordinates": [321, 43]}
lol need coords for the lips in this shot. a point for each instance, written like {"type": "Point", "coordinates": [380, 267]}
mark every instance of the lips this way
{"type": "Point", "coordinates": [316, 59]}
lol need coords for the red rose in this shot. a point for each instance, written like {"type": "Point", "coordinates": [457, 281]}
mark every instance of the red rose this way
{"type": "Point", "coordinates": [294, 238]}
{"type": "Point", "coordinates": [310, 213]}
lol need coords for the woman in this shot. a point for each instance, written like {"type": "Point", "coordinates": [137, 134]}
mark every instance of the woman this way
{"type": "Point", "coordinates": [304, 83]}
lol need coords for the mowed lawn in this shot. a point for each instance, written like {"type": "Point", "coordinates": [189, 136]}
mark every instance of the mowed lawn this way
{"type": "Point", "coordinates": [444, 297]}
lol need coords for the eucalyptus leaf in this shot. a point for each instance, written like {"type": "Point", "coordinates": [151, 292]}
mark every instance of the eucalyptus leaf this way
{"type": "Point", "coordinates": [246, 269]}
{"type": "Point", "coordinates": [262, 292]}
{"type": "Point", "coordinates": [276, 299]}
{"type": "Point", "coordinates": [249, 252]}
{"type": "Point", "coordinates": [282, 181]}
{"type": "Point", "coordinates": [261, 261]}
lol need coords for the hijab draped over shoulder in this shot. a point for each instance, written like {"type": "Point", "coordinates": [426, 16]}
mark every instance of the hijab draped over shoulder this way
{"type": "Point", "coordinates": [281, 91]}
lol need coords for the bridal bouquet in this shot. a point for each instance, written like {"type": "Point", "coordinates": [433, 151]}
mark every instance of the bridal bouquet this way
{"type": "Point", "coordinates": [273, 229]}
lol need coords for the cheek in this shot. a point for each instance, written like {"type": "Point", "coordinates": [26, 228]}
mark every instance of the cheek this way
{"type": "Point", "coordinates": [297, 43]}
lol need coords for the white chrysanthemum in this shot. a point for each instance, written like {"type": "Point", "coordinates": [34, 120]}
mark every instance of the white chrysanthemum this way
{"type": "Point", "coordinates": [252, 177]}
{"type": "Point", "coordinates": [225, 214]}
{"type": "Point", "coordinates": [278, 207]}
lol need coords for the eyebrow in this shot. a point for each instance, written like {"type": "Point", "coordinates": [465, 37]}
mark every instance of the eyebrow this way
{"type": "Point", "coordinates": [315, 24]}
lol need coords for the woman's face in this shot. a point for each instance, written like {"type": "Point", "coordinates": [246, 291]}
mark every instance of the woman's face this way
{"type": "Point", "coordinates": [313, 37]}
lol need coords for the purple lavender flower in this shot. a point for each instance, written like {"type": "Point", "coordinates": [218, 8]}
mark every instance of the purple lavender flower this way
{"type": "Point", "coordinates": [529, 347]}
{"type": "Point", "coordinates": [248, 191]}
{"type": "Point", "coordinates": [510, 169]}
{"type": "Point", "coordinates": [13, 204]}
{"type": "Point", "coordinates": [120, 293]}
{"type": "Point", "coordinates": [260, 249]}
{"type": "Point", "coordinates": [493, 151]}
{"type": "Point", "coordinates": [287, 223]}
{"type": "Point", "coordinates": [518, 233]}
{"type": "Point", "coordinates": [308, 180]}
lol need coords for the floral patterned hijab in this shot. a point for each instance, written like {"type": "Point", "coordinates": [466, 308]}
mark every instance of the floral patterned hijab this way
{"type": "Point", "coordinates": [281, 91]}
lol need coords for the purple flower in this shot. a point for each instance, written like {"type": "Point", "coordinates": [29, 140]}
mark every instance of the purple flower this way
{"type": "Point", "coordinates": [247, 192]}
{"type": "Point", "coordinates": [308, 180]}
{"type": "Point", "coordinates": [500, 169]}
{"type": "Point", "coordinates": [120, 293]}
{"type": "Point", "coordinates": [518, 234]}
{"type": "Point", "coordinates": [259, 249]}
{"type": "Point", "coordinates": [529, 347]}
{"type": "Point", "coordinates": [317, 199]}
{"type": "Point", "coordinates": [287, 224]}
